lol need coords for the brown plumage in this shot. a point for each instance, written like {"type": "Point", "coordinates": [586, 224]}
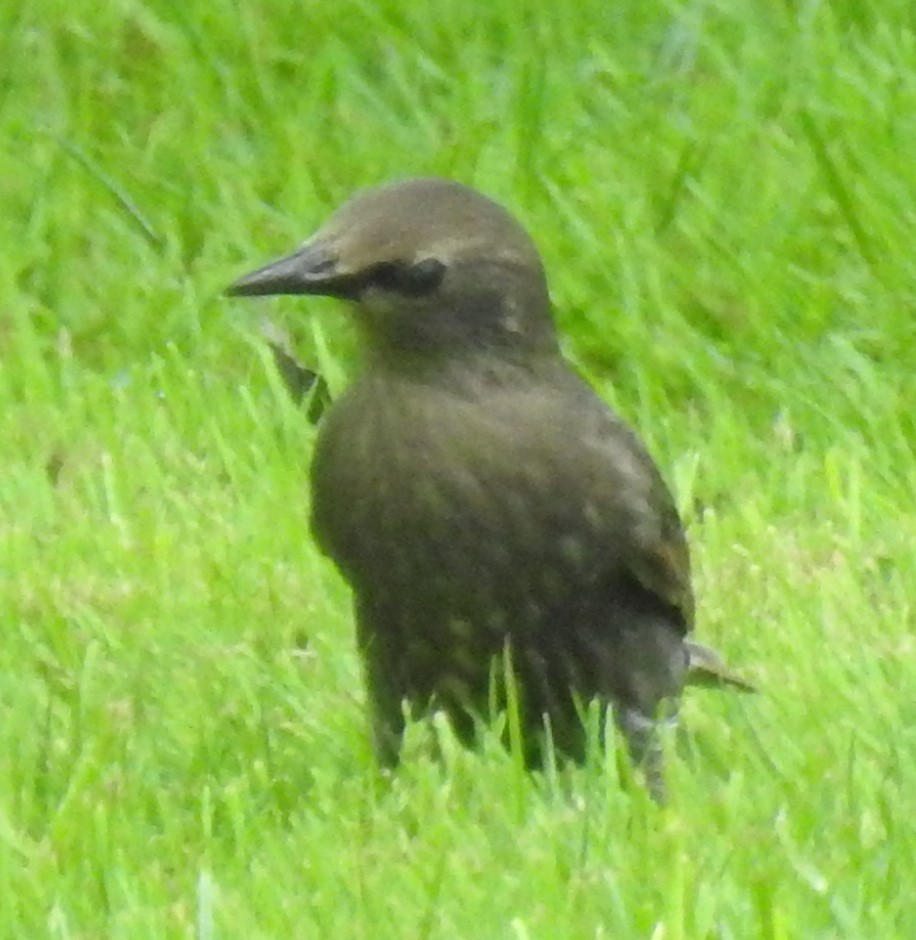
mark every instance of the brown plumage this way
{"type": "Point", "coordinates": [478, 496]}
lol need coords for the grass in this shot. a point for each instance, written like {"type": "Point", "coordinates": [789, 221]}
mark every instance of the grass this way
{"type": "Point", "coordinates": [723, 196]}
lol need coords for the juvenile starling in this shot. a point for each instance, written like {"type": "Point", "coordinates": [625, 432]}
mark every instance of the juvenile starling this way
{"type": "Point", "coordinates": [484, 504]}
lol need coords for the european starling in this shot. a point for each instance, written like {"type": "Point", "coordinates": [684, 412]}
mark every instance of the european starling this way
{"type": "Point", "coordinates": [487, 508]}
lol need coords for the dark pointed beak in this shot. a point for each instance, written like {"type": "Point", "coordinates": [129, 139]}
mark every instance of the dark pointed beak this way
{"type": "Point", "coordinates": [310, 270]}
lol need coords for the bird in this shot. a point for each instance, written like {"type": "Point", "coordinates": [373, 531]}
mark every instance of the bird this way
{"type": "Point", "coordinates": [500, 526]}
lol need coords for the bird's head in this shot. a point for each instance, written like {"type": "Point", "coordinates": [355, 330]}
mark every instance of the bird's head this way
{"type": "Point", "coordinates": [432, 267]}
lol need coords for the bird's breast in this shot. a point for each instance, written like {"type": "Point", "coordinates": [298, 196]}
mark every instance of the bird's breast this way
{"type": "Point", "coordinates": [464, 520]}
{"type": "Point", "coordinates": [458, 502]}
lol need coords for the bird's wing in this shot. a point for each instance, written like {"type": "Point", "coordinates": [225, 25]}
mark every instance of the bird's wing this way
{"type": "Point", "coordinates": [660, 563]}
{"type": "Point", "coordinates": [657, 556]}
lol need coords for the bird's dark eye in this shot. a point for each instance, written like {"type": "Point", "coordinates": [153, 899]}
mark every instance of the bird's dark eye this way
{"type": "Point", "coordinates": [413, 280]}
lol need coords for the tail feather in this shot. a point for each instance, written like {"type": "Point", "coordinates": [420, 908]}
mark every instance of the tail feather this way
{"type": "Point", "coordinates": [705, 667]}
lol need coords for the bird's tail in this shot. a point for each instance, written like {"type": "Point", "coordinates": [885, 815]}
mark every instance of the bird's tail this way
{"type": "Point", "coordinates": [705, 667]}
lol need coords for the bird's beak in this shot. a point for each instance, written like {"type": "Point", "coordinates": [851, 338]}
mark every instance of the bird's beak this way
{"type": "Point", "coordinates": [313, 269]}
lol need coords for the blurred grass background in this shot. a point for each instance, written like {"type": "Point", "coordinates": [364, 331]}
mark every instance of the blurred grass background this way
{"type": "Point", "coordinates": [724, 197]}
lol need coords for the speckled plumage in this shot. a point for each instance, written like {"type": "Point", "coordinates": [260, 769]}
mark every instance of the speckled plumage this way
{"type": "Point", "coordinates": [476, 493]}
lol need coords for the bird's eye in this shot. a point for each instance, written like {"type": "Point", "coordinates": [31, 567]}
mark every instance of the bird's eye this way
{"type": "Point", "coordinates": [425, 275]}
{"type": "Point", "coordinates": [414, 280]}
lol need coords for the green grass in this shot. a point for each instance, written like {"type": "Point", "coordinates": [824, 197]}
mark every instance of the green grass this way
{"type": "Point", "coordinates": [723, 194]}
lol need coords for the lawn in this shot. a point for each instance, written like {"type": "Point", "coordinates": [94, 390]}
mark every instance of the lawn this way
{"type": "Point", "coordinates": [724, 194]}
